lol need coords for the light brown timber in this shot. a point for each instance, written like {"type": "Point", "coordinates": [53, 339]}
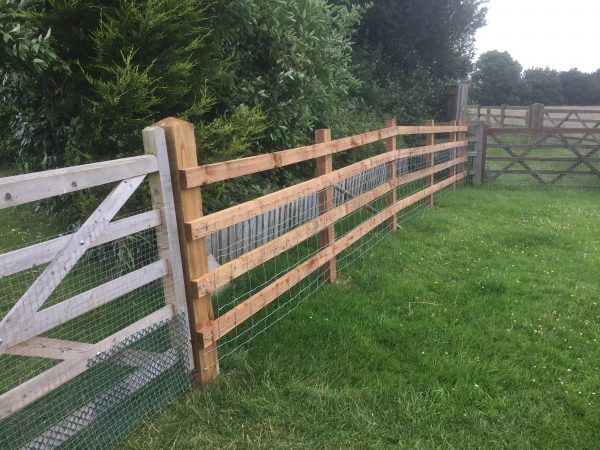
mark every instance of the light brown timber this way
{"type": "Point", "coordinates": [324, 166]}
{"type": "Point", "coordinates": [212, 173]}
{"type": "Point", "coordinates": [181, 146]}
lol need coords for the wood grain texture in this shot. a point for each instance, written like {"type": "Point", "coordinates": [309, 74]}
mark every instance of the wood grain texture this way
{"type": "Point", "coordinates": [324, 166]}
{"type": "Point", "coordinates": [430, 140]}
{"type": "Point", "coordinates": [392, 173]}
{"type": "Point", "coordinates": [243, 264]}
{"type": "Point", "coordinates": [47, 381]}
{"type": "Point", "coordinates": [35, 186]}
{"type": "Point", "coordinates": [181, 146]}
{"type": "Point", "coordinates": [203, 226]}
{"type": "Point", "coordinates": [227, 322]}
{"type": "Point", "coordinates": [44, 252]}
{"type": "Point", "coordinates": [212, 173]}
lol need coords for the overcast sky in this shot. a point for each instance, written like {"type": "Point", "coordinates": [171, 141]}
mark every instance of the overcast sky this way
{"type": "Point", "coordinates": [561, 34]}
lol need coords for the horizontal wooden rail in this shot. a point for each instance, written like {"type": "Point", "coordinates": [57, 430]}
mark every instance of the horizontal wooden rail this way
{"type": "Point", "coordinates": [243, 264]}
{"type": "Point", "coordinates": [203, 226]}
{"type": "Point", "coordinates": [219, 327]}
{"type": "Point", "coordinates": [541, 158]}
{"type": "Point", "coordinates": [35, 186]}
{"type": "Point", "coordinates": [49, 380]}
{"type": "Point", "coordinates": [543, 130]}
{"type": "Point", "coordinates": [212, 173]}
{"type": "Point", "coordinates": [43, 347]}
{"type": "Point", "coordinates": [55, 315]}
{"type": "Point", "coordinates": [540, 172]}
{"type": "Point", "coordinates": [554, 110]}
{"type": "Point", "coordinates": [44, 252]}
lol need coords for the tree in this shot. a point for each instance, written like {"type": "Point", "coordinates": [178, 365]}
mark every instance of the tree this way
{"type": "Point", "coordinates": [408, 52]}
{"type": "Point", "coordinates": [579, 88]}
{"type": "Point", "coordinates": [497, 79]}
{"type": "Point", "coordinates": [543, 86]}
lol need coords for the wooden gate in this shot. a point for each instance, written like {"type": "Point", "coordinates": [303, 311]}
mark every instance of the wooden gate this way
{"type": "Point", "coordinates": [545, 156]}
{"type": "Point", "coordinates": [24, 329]}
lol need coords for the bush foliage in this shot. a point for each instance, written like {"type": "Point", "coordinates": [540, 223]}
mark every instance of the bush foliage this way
{"type": "Point", "coordinates": [82, 78]}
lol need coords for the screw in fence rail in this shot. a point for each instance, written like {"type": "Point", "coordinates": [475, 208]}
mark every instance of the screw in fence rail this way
{"type": "Point", "coordinates": [392, 173]}
{"type": "Point", "coordinates": [324, 165]}
{"type": "Point", "coordinates": [181, 147]}
{"type": "Point", "coordinates": [430, 140]}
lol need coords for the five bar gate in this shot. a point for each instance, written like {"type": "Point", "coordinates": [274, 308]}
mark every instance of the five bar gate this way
{"type": "Point", "coordinates": [567, 157]}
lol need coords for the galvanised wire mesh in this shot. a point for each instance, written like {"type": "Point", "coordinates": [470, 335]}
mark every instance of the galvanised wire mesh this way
{"type": "Point", "coordinates": [279, 225]}
{"type": "Point", "coordinates": [117, 386]}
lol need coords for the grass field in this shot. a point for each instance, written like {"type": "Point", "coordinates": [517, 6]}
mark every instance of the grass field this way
{"type": "Point", "coordinates": [476, 327]}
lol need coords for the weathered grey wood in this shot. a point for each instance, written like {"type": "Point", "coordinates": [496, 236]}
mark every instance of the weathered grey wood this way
{"type": "Point", "coordinates": [30, 187]}
{"type": "Point", "coordinates": [55, 315]}
{"type": "Point", "coordinates": [43, 347]}
{"type": "Point", "coordinates": [57, 270]}
{"type": "Point", "coordinates": [161, 191]}
{"type": "Point", "coordinates": [42, 253]}
{"type": "Point", "coordinates": [47, 381]}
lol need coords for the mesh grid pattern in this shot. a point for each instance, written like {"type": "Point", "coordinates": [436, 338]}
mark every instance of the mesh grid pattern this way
{"type": "Point", "coordinates": [130, 374]}
{"type": "Point", "coordinates": [279, 224]}
{"type": "Point", "coordinates": [122, 383]}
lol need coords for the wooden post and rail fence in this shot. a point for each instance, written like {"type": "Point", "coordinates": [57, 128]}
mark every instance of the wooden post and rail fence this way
{"type": "Point", "coordinates": [176, 179]}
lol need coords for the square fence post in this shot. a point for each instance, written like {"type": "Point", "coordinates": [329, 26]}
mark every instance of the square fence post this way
{"type": "Point", "coordinates": [392, 173]}
{"type": "Point", "coordinates": [479, 162]}
{"type": "Point", "coordinates": [430, 140]}
{"type": "Point", "coordinates": [324, 165]}
{"type": "Point", "coordinates": [167, 237]}
{"type": "Point", "coordinates": [453, 152]}
{"type": "Point", "coordinates": [181, 148]}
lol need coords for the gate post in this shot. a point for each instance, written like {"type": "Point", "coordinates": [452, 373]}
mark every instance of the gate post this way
{"type": "Point", "coordinates": [181, 148]}
{"type": "Point", "coordinates": [480, 150]}
{"type": "Point", "coordinates": [327, 236]}
{"type": "Point", "coordinates": [392, 174]}
{"type": "Point", "coordinates": [430, 140]}
{"type": "Point", "coordinates": [536, 116]}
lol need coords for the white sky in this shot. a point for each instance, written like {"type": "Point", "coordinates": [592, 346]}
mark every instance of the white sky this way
{"type": "Point", "coordinates": [561, 34]}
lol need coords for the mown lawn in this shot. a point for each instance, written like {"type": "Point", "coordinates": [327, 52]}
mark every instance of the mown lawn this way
{"type": "Point", "coordinates": [476, 327]}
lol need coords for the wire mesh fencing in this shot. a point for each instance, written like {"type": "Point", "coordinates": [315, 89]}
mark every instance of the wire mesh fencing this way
{"type": "Point", "coordinates": [275, 252]}
{"type": "Point", "coordinates": [90, 339]}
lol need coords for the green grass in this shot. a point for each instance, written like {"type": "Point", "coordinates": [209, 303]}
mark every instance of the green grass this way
{"type": "Point", "coordinates": [476, 327]}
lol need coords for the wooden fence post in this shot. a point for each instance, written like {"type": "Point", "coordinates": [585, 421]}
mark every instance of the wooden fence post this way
{"type": "Point", "coordinates": [430, 140]}
{"type": "Point", "coordinates": [502, 115]}
{"type": "Point", "coordinates": [392, 173]}
{"type": "Point", "coordinates": [453, 137]}
{"type": "Point", "coordinates": [327, 236]}
{"type": "Point", "coordinates": [181, 147]}
{"type": "Point", "coordinates": [536, 116]}
{"type": "Point", "coordinates": [167, 238]}
{"type": "Point", "coordinates": [479, 162]}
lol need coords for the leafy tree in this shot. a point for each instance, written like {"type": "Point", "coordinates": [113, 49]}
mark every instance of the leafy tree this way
{"type": "Point", "coordinates": [291, 58]}
{"type": "Point", "coordinates": [543, 86]}
{"type": "Point", "coordinates": [497, 79]}
{"type": "Point", "coordinates": [408, 52]}
{"type": "Point", "coordinates": [580, 88]}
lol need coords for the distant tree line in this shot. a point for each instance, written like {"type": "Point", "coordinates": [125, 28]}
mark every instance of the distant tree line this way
{"type": "Point", "coordinates": [499, 79]}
